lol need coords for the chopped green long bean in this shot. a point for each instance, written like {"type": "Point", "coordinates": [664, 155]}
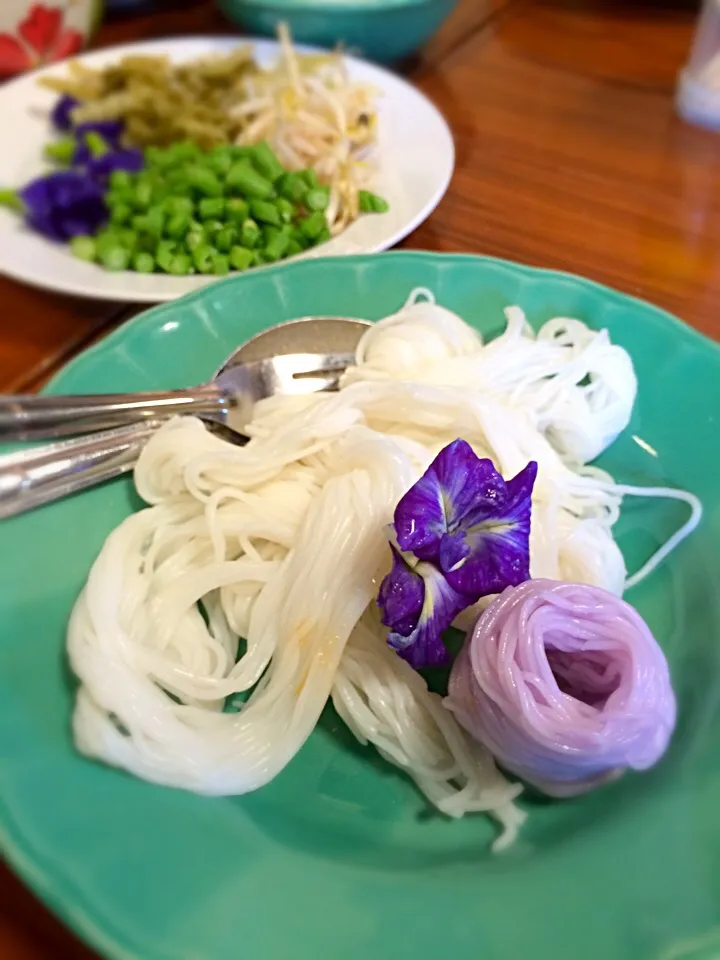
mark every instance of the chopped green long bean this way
{"type": "Point", "coordinates": [12, 200]}
{"type": "Point", "coordinates": [210, 208]}
{"type": "Point", "coordinates": [265, 212]}
{"type": "Point", "coordinates": [286, 209]}
{"type": "Point", "coordinates": [371, 203]}
{"type": "Point", "coordinates": [317, 199]}
{"type": "Point", "coordinates": [61, 151]}
{"type": "Point", "coordinates": [225, 238]}
{"type": "Point", "coordinates": [178, 226]}
{"type": "Point", "coordinates": [115, 257]}
{"type": "Point", "coordinates": [203, 256]}
{"type": "Point", "coordinates": [293, 187]}
{"type": "Point", "coordinates": [221, 265]}
{"type": "Point", "coordinates": [204, 181]}
{"type": "Point", "coordinates": [310, 178]}
{"type": "Point", "coordinates": [250, 234]}
{"type": "Point", "coordinates": [237, 210]}
{"type": "Point", "coordinates": [143, 263]}
{"type": "Point", "coordinates": [312, 225]}
{"type": "Point", "coordinates": [240, 258]}
{"type": "Point", "coordinates": [243, 179]}
{"type": "Point", "coordinates": [96, 144]}
{"type": "Point", "coordinates": [83, 247]}
{"type": "Point", "coordinates": [179, 265]}
{"type": "Point", "coordinates": [175, 205]}
{"type": "Point", "coordinates": [120, 180]}
{"type": "Point", "coordinates": [266, 161]}
{"type": "Point", "coordinates": [277, 246]}
{"type": "Point", "coordinates": [188, 211]}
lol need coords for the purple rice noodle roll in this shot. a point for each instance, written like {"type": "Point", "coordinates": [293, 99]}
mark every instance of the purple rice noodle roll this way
{"type": "Point", "coordinates": [565, 684]}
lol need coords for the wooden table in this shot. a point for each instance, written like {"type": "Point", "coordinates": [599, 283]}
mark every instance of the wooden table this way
{"type": "Point", "coordinates": [569, 156]}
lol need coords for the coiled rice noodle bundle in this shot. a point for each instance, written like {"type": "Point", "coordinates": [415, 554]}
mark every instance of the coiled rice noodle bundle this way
{"type": "Point", "coordinates": [565, 684]}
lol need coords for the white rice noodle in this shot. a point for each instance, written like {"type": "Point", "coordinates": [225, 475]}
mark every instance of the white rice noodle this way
{"type": "Point", "coordinates": [282, 543]}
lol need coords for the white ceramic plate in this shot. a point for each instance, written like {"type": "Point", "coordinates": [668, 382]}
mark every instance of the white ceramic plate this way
{"type": "Point", "coordinates": [416, 159]}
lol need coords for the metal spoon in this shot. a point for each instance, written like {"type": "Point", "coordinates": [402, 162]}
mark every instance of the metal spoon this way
{"type": "Point", "coordinates": [301, 356]}
{"type": "Point", "coordinates": [30, 478]}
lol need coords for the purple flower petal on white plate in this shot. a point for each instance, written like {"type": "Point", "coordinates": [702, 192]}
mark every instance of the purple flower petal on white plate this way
{"type": "Point", "coordinates": [100, 168]}
{"type": "Point", "coordinates": [109, 130]}
{"type": "Point", "coordinates": [61, 116]}
{"type": "Point", "coordinates": [64, 204]}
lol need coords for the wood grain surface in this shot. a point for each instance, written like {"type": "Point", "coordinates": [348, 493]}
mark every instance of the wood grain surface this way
{"type": "Point", "coordinates": [569, 156]}
{"type": "Point", "coordinates": [577, 161]}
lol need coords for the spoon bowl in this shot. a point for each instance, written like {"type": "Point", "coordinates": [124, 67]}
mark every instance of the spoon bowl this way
{"type": "Point", "coordinates": [301, 356]}
{"type": "Point", "coordinates": [298, 357]}
{"type": "Point", "coordinates": [307, 355]}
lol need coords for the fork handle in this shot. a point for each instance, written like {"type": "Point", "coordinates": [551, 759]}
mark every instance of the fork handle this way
{"type": "Point", "coordinates": [30, 417]}
{"type": "Point", "coordinates": [30, 478]}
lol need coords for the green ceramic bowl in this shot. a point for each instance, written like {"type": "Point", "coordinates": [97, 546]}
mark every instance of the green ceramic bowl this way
{"type": "Point", "coordinates": [339, 857]}
{"type": "Point", "coordinates": [383, 30]}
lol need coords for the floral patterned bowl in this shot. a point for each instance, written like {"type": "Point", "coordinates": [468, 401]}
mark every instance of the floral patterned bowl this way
{"type": "Point", "coordinates": [32, 33]}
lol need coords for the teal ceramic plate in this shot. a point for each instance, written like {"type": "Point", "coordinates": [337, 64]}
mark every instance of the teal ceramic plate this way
{"type": "Point", "coordinates": [339, 857]}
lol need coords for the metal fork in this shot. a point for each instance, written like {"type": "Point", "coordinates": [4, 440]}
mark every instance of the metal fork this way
{"type": "Point", "coordinates": [39, 475]}
{"type": "Point", "coordinates": [229, 397]}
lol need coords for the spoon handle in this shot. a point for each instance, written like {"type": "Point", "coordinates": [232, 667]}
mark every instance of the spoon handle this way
{"type": "Point", "coordinates": [30, 478]}
{"type": "Point", "coordinates": [30, 417]}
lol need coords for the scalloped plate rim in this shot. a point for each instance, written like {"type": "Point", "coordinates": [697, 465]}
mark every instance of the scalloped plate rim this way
{"type": "Point", "coordinates": [147, 318]}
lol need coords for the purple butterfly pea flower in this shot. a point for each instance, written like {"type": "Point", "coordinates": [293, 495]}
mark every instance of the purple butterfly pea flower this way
{"type": "Point", "coordinates": [463, 533]}
{"type": "Point", "coordinates": [63, 205]}
{"type": "Point", "coordinates": [100, 168]}
{"type": "Point", "coordinates": [109, 130]}
{"type": "Point", "coordinates": [467, 520]}
{"type": "Point", "coordinates": [61, 116]}
{"type": "Point", "coordinates": [418, 604]}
